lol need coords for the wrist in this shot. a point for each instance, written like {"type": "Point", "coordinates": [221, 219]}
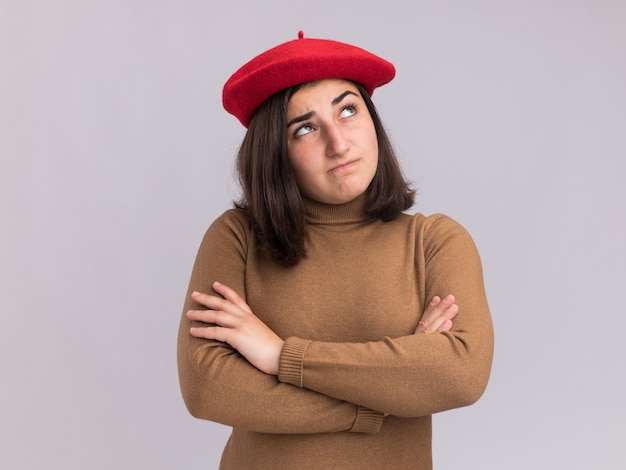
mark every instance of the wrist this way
{"type": "Point", "coordinates": [291, 361]}
{"type": "Point", "coordinates": [275, 362]}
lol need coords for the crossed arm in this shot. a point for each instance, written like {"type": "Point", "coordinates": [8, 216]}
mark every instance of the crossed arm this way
{"type": "Point", "coordinates": [230, 320]}
{"type": "Point", "coordinates": [236, 370]}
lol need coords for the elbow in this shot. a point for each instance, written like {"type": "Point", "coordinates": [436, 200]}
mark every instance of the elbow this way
{"type": "Point", "coordinates": [468, 384]}
{"type": "Point", "coordinates": [196, 391]}
{"type": "Point", "coordinates": [197, 405]}
{"type": "Point", "coordinates": [443, 392]}
{"type": "Point", "coordinates": [192, 404]}
{"type": "Point", "coordinates": [462, 385]}
{"type": "Point", "coordinates": [190, 385]}
{"type": "Point", "coordinates": [468, 381]}
{"type": "Point", "coordinates": [190, 400]}
{"type": "Point", "coordinates": [468, 392]}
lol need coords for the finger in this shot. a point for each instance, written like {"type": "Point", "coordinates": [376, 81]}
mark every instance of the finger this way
{"type": "Point", "coordinates": [215, 317]}
{"type": "Point", "coordinates": [444, 323]}
{"type": "Point", "coordinates": [436, 313]}
{"type": "Point", "coordinates": [212, 332]}
{"type": "Point", "coordinates": [213, 302]}
{"type": "Point", "coordinates": [230, 295]}
{"type": "Point", "coordinates": [445, 303]}
{"type": "Point", "coordinates": [432, 305]}
{"type": "Point", "coordinates": [447, 314]}
{"type": "Point", "coordinates": [445, 326]}
{"type": "Point", "coordinates": [430, 314]}
{"type": "Point", "coordinates": [436, 306]}
{"type": "Point", "coordinates": [210, 301]}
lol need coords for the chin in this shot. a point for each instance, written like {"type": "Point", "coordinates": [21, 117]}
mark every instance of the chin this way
{"type": "Point", "coordinates": [343, 199]}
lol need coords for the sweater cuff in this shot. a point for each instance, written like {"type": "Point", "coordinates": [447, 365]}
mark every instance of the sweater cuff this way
{"type": "Point", "coordinates": [290, 365]}
{"type": "Point", "coordinates": [367, 421]}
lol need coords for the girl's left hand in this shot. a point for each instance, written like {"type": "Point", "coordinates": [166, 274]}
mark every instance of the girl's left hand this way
{"type": "Point", "coordinates": [234, 323]}
{"type": "Point", "coordinates": [438, 316]}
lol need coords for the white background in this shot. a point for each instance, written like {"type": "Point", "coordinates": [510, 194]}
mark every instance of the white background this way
{"type": "Point", "coordinates": [115, 155]}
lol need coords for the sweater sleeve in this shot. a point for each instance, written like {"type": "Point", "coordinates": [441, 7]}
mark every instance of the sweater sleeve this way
{"type": "Point", "coordinates": [419, 374]}
{"type": "Point", "coordinates": [218, 384]}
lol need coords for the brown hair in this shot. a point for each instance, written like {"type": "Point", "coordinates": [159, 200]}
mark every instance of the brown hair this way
{"type": "Point", "coordinates": [271, 195]}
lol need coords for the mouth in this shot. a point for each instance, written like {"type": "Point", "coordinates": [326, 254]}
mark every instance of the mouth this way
{"type": "Point", "coordinates": [343, 166]}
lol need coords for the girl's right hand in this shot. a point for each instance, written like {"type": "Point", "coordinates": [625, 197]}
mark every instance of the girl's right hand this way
{"type": "Point", "coordinates": [437, 317]}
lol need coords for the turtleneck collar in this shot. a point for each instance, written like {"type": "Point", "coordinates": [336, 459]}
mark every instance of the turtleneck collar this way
{"type": "Point", "coordinates": [322, 213]}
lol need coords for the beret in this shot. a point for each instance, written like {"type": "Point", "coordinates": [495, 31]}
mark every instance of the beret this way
{"type": "Point", "coordinates": [299, 61]}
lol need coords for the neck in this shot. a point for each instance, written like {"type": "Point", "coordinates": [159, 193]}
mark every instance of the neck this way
{"type": "Point", "coordinates": [322, 213]}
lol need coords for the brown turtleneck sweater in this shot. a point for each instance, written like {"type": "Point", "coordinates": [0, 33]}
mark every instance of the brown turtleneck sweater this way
{"type": "Point", "coordinates": [356, 388]}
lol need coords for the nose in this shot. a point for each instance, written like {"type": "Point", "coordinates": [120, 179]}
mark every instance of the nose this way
{"type": "Point", "coordinates": [336, 144]}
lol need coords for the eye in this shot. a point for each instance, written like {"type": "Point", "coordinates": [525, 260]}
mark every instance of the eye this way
{"type": "Point", "coordinates": [303, 130]}
{"type": "Point", "coordinates": [348, 111]}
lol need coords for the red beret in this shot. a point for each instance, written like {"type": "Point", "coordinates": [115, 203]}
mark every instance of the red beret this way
{"type": "Point", "coordinates": [299, 61]}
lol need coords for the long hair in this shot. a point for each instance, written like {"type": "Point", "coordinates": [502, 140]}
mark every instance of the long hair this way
{"type": "Point", "coordinates": [271, 195]}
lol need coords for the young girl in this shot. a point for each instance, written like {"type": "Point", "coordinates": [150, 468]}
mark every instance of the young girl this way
{"type": "Point", "coordinates": [322, 322]}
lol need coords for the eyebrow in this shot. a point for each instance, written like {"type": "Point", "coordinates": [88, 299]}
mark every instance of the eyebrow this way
{"type": "Point", "coordinates": [310, 114]}
{"type": "Point", "coordinates": [342, 96]}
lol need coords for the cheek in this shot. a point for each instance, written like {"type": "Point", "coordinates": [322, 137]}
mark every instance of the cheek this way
{"type": "Point", "coordinates": [304, 157]}
{"type": "Point", "coordinates": [374, 153]}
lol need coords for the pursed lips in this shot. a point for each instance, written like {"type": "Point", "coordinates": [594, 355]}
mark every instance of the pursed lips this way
{"type": "Point", "coordinates": [343, 166]}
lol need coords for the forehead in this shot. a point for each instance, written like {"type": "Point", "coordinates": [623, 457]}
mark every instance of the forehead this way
{"type": "Point", "coordinates": [318, 93]}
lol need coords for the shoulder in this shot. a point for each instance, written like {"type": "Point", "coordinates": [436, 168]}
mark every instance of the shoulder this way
{"type": "Point", "coordinates": [439, 229]}
{"type": "Point", "coordinates": [231, 224]}
{"type": "Point", "coordinates": [233, 217]}
{"type": "Point", "coordinates": [434, 223]}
